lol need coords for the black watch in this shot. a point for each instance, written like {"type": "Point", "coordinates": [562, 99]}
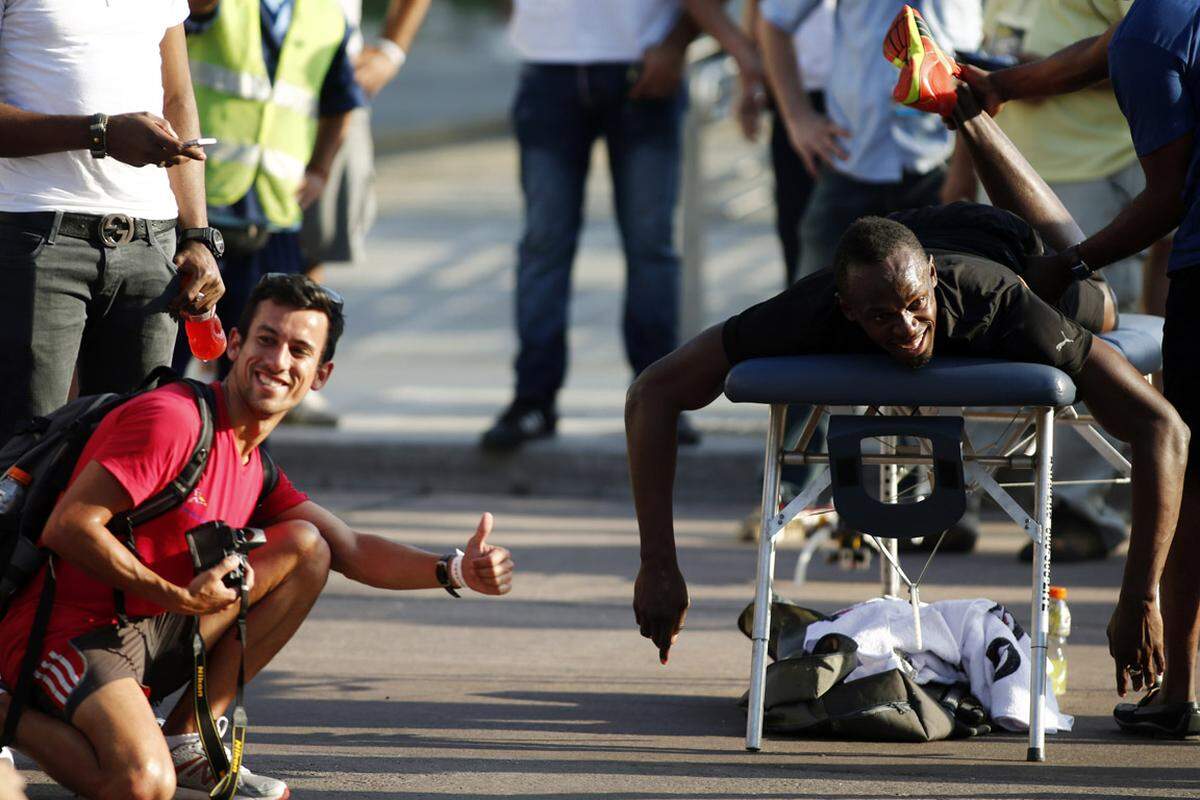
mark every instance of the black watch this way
{"type": "Point", "coordinates": [98, 135]}
{"type": "Point", "coordinates": [209, 237]}
{"type": "Point", "coordinates": [442, 571]}
{"type": "Point", "coordinates": [1080, 270]}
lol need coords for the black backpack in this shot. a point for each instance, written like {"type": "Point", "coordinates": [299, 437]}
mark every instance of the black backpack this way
{"type": "Point", "coordinates": [46, 450]}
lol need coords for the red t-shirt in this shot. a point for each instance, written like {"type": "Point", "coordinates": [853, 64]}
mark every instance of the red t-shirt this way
{"type": "Point", "coordinates": [144, 444]}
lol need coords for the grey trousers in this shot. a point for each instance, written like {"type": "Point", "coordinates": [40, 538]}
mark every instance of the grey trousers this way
{"type": "Point", "coordinates": [67, 301]}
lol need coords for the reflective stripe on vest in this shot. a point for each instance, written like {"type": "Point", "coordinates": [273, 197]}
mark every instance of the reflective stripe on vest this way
{"type": "Point", "coordinates": [266, 130]}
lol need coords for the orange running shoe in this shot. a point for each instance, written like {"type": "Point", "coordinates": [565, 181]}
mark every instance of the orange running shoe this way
{"type": "Point", "coordinates": [926, 73]}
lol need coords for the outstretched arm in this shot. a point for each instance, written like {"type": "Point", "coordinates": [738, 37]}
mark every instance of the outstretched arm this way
{"type": "Point", "coordinates": [1133, 411]}
{"type": "Point", "coordinates": [385, 564]}
{"type": "Point", "coordinates": [1075, 67]}
{"type": "Point", "coordinates": [687, 379]}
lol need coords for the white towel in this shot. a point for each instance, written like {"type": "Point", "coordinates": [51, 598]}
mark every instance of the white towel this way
{"type": "Point", "coordinates": [976, 641]}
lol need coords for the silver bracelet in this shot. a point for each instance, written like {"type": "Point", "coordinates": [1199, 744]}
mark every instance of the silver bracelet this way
{"type": "Point", "coordinates": [392, 52]}
{"type": "Point", "coordinates": [456, 570]}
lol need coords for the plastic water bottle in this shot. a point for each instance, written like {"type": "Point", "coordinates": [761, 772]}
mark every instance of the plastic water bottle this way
{"type": "Point", "coordinates": [13, 485]}
{"type": "Point", "coordinates": [1056, 641]}
{"type": "Point", "coordinates": [205, 335]}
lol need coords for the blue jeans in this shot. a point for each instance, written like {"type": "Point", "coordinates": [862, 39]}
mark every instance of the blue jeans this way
{"type": "Point", "coordinates": [558, 113]}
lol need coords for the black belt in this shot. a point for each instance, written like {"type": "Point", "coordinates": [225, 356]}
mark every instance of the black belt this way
{"type": "Point", "coordinates": [109, 230]}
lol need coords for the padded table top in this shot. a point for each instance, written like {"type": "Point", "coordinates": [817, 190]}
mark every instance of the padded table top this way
{"type": "Point", "coordinates": [841, 380]}
{"type": "Point", "coordinates": [1140, 340]}
{"type": "Point", "coordinates": [851, 380]}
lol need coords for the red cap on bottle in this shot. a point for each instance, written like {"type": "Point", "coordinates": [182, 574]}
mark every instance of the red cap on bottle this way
{"type": "Point", "coordinates": [1058, 592]}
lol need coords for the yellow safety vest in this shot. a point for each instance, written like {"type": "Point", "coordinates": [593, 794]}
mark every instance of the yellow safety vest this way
{"type": "Point", "coordinates": [266, 130]}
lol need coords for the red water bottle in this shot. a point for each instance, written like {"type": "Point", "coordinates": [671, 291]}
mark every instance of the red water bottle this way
{"type": "Point", "coordinates": [205, 335]}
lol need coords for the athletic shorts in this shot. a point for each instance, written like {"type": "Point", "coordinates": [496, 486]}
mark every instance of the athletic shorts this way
{"type": "Point", "coordinates": [1003, 237]}
{"type": "Point", "coordinates": [1181, 356]}
{"type": "Point", "coordinates": [155, 651]}
{"type": "Point", "coordinates": [336, 225]}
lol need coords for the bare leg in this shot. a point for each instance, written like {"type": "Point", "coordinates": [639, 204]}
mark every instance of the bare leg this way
{"type": "Point", "coordinates": [1179, 598]}
{"type": "Point", "coordinates": [113, 749]}
{"type": "Point", "coordinates": [289, 573]}
{"type": "Point", "coordinates": [1008, 179]}
{"type": "Point", "coordinates": [1013, 185]}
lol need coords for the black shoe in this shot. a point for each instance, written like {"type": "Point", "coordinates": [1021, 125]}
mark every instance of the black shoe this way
{"type": "Point", "coordinates": [1073, 538]}
{"type": "Point", "coordinates": [1168, 720]}
{"type": "Point", "coordinates": [685, 434]}
{"type": "Point", "coordinates": [521, 422]}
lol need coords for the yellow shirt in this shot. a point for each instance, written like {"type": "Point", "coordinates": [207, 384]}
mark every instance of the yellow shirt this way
{"type": "Point", "coordinates": [1075, 137]}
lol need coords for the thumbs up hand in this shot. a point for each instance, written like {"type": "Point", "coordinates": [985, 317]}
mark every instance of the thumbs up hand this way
{"type": "Point", "coordinates": [487, 568]}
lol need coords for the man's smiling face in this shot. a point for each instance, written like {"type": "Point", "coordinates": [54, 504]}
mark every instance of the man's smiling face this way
{"type": "Point", "coordinates": [894, 303]}
{"type": "Point", "coordinates": [278, 360]}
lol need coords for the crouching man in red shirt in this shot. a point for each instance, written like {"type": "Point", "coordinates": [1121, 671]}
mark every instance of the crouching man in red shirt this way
{"type": "Point", "coordinates": [91, 726]}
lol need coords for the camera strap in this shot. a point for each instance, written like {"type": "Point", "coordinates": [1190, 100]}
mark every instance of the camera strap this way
{"type": "Point", "coordinates": [225, 768]}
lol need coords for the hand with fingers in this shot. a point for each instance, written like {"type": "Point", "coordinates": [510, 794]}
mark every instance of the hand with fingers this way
{"type": "Point", "coordinates": [985, 86]}
{"type": "Point", "coordinates": [311, 187]}
{"type": "Point", "coordinates": [487, 568]}
{"type": "Point", "coordinates": [1135, 641]}
{"type": "Point", "coordinates": [660, 604]}
{"type": "Point", "coordinates": [817, 140]}
{"type": "Point", "coordinates": [142, 138]}
{"type": "Point", "coordinates": [660, 73]}
{"type": "Point", "coordinates": [200, 284]}
{"type": "Point", "coordinates": [207, 593]}
{"type": "Point", "coordinates": [751, 103]}
{"type": "Point", "coordinates": [1049, 276]}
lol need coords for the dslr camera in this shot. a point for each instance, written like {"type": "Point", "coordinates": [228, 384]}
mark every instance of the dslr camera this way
{"type": "Point", "coordinates": [212, 542]}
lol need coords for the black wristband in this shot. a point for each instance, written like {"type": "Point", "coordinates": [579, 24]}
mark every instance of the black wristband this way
{"type": "Point", "coordinates": [1080, 270]}
{"type": "Point", "coordinates": [442, 572]}
{"type": "Point", "coordinates": [98, 135]}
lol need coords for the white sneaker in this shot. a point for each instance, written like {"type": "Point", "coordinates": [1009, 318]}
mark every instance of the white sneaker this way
{"type": "Point", "coordinates": [194, 778]}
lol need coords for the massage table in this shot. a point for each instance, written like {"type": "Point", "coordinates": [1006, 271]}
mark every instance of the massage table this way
{"type": "Point", "coordinates": [873, 399]}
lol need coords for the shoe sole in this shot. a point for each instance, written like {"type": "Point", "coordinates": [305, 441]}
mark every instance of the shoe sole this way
{"type": "Point", "coordinates": [182, 793]}
{"type": "Point", "coordinates": [510, 446]}
{"type": "Point", "coordinates": [1185, 729]}
{"type": "Point", "coordinates": [905, 48]}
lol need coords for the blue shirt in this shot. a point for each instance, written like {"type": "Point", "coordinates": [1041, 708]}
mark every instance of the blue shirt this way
{"type": "Point", "coordinates": [1154, 63]}
{"type": "Point", "coordinates": [339, 93]}
{"type": "Point", "coordinates": [887, 139]}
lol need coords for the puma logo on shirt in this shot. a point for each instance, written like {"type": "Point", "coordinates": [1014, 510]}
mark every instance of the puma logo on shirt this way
{"type": "Point", "coordinates": [1065, 341]}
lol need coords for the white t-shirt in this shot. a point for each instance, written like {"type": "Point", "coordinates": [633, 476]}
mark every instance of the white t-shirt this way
{"type": "Point", "coordinates": [814, 46]}
{"type": "Point", "coordinates": [84, 57]}
{"type": "Point", "coordinates": [353, 11]}
{"type": "Point", "coordinates": [590, 31]}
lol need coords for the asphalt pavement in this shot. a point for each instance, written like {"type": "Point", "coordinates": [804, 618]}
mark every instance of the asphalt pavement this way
{"type": "Point", "coordinates": [551, 693]}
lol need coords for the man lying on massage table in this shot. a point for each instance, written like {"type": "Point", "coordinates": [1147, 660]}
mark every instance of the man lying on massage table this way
{"type": "Point", "coordinates": [889, 292]}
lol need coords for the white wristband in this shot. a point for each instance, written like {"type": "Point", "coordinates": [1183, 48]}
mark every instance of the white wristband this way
{"type": "Point", "coordinates": [392, 51]}
{"type": "Point", "coordinates": [456, 571]}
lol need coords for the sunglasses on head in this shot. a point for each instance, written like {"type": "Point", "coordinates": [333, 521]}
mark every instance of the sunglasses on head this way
{"type": "Point", "coordinates": [333, 296]}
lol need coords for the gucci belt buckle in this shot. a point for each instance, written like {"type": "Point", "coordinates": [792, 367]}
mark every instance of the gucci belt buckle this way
{"type": "Point", "coordinates": [115, 229]}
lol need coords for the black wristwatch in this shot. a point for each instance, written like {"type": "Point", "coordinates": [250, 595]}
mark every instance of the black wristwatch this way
{"type": "Point", "coordinates": [98, 135]}
{"type": "Point", "coordinates": [1080, 270]}
{"type": "Point", "coordinates": [442, 572]}
{"type": "Point", "coordinates": [209, 237]}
